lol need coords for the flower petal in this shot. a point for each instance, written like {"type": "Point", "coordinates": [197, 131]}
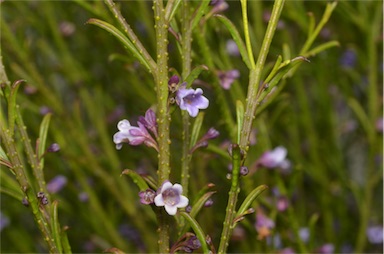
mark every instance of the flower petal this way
{"type": "Point", "coordinates": [183, 202]}
{"type": "Point", "coordinates": [178, 188]}
{"type": "Point", "coordinates": [124, 125]}
{"type": "Point", "coordinates": [171, 210]}
{"type": "Point", "coordinates": [166, 185]}
{"type": "Point", "coordinates": [159, 201]}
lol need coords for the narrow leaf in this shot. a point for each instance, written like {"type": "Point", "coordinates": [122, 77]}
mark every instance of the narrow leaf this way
{"type": "Point", "coordinates": [43, 138]}
{"type": "Point", "coordinates": [56, 226]}
{"type": "Point", "coordinates": [137, 179]}
{"type": "Point", "coordinates": [171, 9]}
{"type": "Point", "coordinates": [240, 118]}
{"type": "Point", "coordinates": [12, 105]}
{"type": "Point", "coordinates": [200, 203]}
{"type": "Point", "coordinates": [122, 38]}
{"type": "Point", "coordinates": [237, 38]}
{"type": "Point", "coordinates": [196, 129]}
{"type": "Point", "coordinates": [64, 241]}
{"type": "Point", "coordinates": [194, 74]}
{"type": "Point", "coordinates": [198, 231]}
{"type": "Point", "coordinates": [249, 199]}
{"type": "Point", "coordinates": [200, 12]}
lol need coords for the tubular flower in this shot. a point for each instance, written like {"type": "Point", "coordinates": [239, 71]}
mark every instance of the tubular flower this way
{"type": "Point", "coordinates": [133, 135]}
{"type": "Point", "coordinates": [191, 100]}
{"type": "Point", "coordinates": [170, 197]}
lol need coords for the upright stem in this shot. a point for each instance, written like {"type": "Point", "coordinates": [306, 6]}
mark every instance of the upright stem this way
{"type": "Point", "coordinates": [232, 201]}
{"type": "Point", "coordinates": [186, 61]}
{"type": "Point", "coordinates": [255, 75]}
{"type": "Point", "coordinates": [163, 117]}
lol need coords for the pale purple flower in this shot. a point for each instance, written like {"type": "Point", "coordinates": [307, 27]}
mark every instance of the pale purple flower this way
{"type": "Point", "coordinates": [275, 158]}
{"type": "Point", "coordinates": [133, 135]}
{"type": "Point", "coordinates": [348, 59]}
{"type": "Point", "coordinates": [191, 100]}
{"type": "Point", "coordinates": [149, 121]}
{"type": "Point", "coordinates": [326, 249]}
{"type": "Point", "coordinates": [53, 148]}
{"type": "Point", "coordinates": [375, 234]}
{"type": "Point", "coordinates": [304, 234]}
{"type": "Point", "coordinates": [147, 197]}
{"type": "Point", "coordinates": [287, 251]}
{"type": "Point", "coordinates": [212, 133]}
{"type": "Point", "coordinates": [218, 6]}
{"type": "Point", "coordinates": [226, 78]}
{"type": "Point", "coordinates": [56, 184]}
{"type": "Point", "coordinates": [4, 221]}
{"type": "Point", "coordinates": [170, 197]}
{"type": "Point", "coordinates": [232, 48]}
{"type": "Point", "coordinates": [379, 125]}
{"type": "Point", "coordinates": [263, 225]}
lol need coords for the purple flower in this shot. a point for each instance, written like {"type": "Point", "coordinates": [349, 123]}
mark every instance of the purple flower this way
{"type": "Point", "coordinates": [326, 249]}
{"type": "Point", "coordinates": [275, 158]}
{"type": "Point", "coordinates": [348, 59]}
{"type": "Point", "coordinates": [263, 225]}
{"type": "Point", "coordinates": [304, 234]}
{"type": "Point", "coordinates": [232, 48]}
{"type": "Point", "coordinates": [56, 184]}
{"type": "Point", "coordinates": [218, 6]}
{"type": "Point", "coordinates": [53, 148]}
{"type": "Point", "coordinates": [375, 234]}
{"type": "Point", "coordinates": [212, 133]}
{"type": "Point", "coordinates": [191, 100]}
{"type": "Point", "coordinates": [170, 197]}
{"type": "Point", "coordinates": [147, 197]}
{"type": "Point", "coordinates": [133, 135]}
{"type": "Point", "coordinates": [4, 221]}
{"type": "Point", "coordinates": [227, 78]}
{"type": "Point", "coordinates": [149, 121]}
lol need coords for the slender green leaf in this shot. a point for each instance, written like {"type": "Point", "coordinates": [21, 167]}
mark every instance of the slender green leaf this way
{"type": "Point", "coordinates": [363, 118]}
{"type": "Point", "coordinates": [64, 241]}
{"type": "Point", "coordinates": [56, 226]}
{"type": "Point", "coordinates": [200, 12]}
{"type": "Point", "coordinates": [198, 231]}
{"type": "Point", "coordinates": [240, 118]}
{"type": "Point", "coordinates": [171, 8]}
{"type": "Point", "coordinates": [12, 105]}
{"type": "Point", "coordinates": [194, 74]}
{"type": "Point", "coordinates": [122, 38]}
{"type": "Point", "coordinates": [43, 138]}
{"type": "Point", "coordinates": [249, 199]}
{"type": "Point", "coordinates": [200, 203]}
{"type": "Point", "coordinates": [137, 179]}
{"type": "Point", "coordinates": [321, 48]}
{"type": "Point", "coordinates": [196, 128]}
{"type": "Point", "coordinates": [237, 38]}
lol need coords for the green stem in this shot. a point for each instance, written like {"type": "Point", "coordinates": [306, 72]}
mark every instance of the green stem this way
{"type": "Point", "coordinates": [163, 117]}
{"type": "Point", "coordinates": [186, 62]}
{"type": "Point", "coordinates": [131, 35]}
{"type": "Point", "coordinates": [228, 224]}
{"type": "Point", "coordinates": [255, 75]}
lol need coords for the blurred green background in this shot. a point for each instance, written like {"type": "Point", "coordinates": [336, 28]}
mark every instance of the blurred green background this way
{"type": "Point", "coordinates": [328, 116]}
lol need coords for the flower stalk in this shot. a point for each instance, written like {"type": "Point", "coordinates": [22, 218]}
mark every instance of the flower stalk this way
{"type": "Point", "coordinates": [255, 75]}
{"type": "Point", "coordinates": [163, 117]}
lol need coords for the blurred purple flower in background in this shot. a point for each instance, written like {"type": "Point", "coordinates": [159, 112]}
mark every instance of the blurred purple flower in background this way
{"type": "Point", "coordinates": [325, 249]}
{"type": "Point", "coordinates": [375, 234]}
{"type": "Point", "coordinates": [263, 225]}
{"type": "Point", "coordinates": [191, 100]}
{"type": "Point", "coordinates": [275, 158]}
{"type": "Point", "coordinates": [226, 78]}
{"type": "Point", "coordinates": [348, 59]}
{"type": "Point", "coordinates": [56, 184]}
{"type": "Point", "coordinates": [4, 221]}
{"type": "Point", "coordinates": [218, 6]}
{"type": "Point", "coordinates": [170, 197]}
{"type": "Point", "coordinates": [232, 48]}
